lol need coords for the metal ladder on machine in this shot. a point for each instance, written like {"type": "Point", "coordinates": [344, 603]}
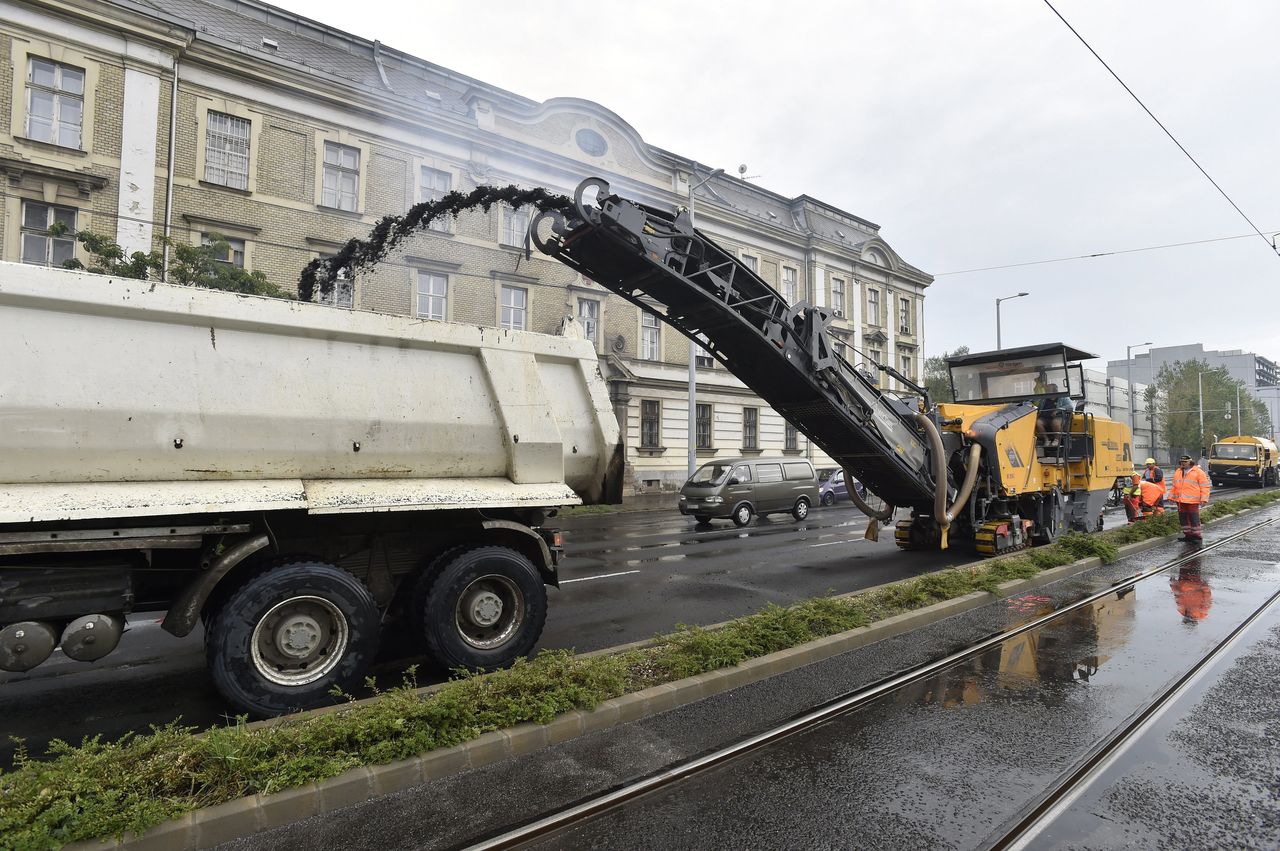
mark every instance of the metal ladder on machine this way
{"type": "Point", "coordinates": [781, 352]}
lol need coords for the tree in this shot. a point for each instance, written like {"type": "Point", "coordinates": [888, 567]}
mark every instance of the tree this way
{"type": "Point", "coordinates": [1174, 400]}
{"type": "Point", "coordinates": [190, 265]}
{"type": "Point", "coordinates": [937, 379]}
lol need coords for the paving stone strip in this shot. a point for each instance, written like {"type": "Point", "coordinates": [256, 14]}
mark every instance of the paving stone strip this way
{"type": "Point", "coordinates": [224, 822]}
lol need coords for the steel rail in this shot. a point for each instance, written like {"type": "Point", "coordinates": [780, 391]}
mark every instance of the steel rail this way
{"type": "Point", "coordinates": [1065, 793]}
{"type": "Point", "coordinates": [594, 806]}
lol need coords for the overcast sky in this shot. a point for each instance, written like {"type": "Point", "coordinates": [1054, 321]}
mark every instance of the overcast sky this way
{"type": "Point", "coordinates": [976, 134]}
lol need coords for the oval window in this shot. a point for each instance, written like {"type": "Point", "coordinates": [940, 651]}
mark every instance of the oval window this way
{"type": "Point", "coordinates": [591, 142]}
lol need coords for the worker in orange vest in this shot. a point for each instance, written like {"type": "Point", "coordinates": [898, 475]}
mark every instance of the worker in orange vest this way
{"type": "Point", "coordinates": [1148, 498]}
{"type": "Point", "coordinates": [1190, 491]}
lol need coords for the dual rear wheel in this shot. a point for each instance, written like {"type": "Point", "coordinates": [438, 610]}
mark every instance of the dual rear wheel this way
{"type": "Point", "coordinates": [293, 633]}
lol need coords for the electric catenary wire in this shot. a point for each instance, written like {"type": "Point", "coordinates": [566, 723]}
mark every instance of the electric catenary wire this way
{"type": "Point", "coordinates": [1162, 127]}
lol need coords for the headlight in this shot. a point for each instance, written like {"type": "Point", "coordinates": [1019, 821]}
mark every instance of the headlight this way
{"type": "Point", "coordinates": [684, 498]}
{"type": "Point", "coordinates": [715, 500]}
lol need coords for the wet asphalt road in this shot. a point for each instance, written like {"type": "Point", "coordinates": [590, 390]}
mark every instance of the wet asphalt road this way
{"type": "Point", "coordinates": [945, 764]}
{"type": "Point", "coordinates": [1206, 773]}
{"type": "Point", "coordinates": [626, 577]}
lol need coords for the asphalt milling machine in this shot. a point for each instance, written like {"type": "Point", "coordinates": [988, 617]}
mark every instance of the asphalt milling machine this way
{"type": "Point", "coordinates": [977, 470]}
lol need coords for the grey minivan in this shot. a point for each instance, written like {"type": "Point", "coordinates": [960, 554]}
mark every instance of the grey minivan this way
{"type": "Point", "coordinates": [737, 488]}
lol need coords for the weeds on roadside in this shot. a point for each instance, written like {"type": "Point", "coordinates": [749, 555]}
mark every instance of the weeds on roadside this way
{"type": "Point", "coordinates": [101, 789]}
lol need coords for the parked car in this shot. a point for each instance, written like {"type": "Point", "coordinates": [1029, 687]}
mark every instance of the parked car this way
{"type": "Point", "coordinates": [835, 489]}
{"type": "Point", "coordinates": [740, 488]}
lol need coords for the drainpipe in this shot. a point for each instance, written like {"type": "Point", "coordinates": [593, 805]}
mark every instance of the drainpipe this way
{"type": "Point", "coordinates": [169, 169]}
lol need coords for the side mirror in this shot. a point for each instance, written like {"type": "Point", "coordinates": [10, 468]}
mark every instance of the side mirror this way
{"type": "Point", "coordinates": [735, 481]}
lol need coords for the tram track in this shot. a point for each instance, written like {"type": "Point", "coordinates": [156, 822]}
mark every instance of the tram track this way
{"type": "Point", "coordinates": [1068, 789]}
{"type": "Point", "coordinates": [585, 810]}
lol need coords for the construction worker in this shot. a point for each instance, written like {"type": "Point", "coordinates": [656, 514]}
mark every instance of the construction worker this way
{"type": "Point", "coordinates": [1190, 491]}
{"type": "Point", "coordinates": [1131, 493]}
{"type": "Point", "coordinates": [1152, 472]}
{"type": "Point", "coordinates": [1143, 499]}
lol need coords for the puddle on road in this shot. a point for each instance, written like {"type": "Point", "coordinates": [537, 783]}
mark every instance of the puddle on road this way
{"type": "Point", "coordinates": [1079, 648]}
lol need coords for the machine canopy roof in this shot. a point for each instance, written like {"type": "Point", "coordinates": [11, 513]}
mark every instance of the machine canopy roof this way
{"type": "Point", "coordinates": [1069, 353]}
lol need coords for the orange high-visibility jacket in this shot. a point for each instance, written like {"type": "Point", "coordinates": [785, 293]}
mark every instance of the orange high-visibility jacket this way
{"type": "Point", "coordinates": [1152, 493]}
{"type": "Point", "coordinates": [1190, 486]}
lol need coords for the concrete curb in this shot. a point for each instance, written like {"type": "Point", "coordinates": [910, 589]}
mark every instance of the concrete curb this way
{"type": "Point", "coordinates": [224, 822]}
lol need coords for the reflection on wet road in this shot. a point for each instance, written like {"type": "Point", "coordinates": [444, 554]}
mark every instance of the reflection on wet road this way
{"type": "Point", "coordinates": [950, 760]}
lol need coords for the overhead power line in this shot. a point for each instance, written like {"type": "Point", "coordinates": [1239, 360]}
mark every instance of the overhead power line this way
{"type": "Point", "coordinates": [1174, 139]}
{"type": "Point", "coordinates": [1094, 255]}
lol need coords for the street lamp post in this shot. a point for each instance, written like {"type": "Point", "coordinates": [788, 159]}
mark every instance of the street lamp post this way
{"type": "Point", "coordinates": [1004, 298]}
{"type": "Point", "coordinates": [1200, 392]}
{"type": "Point", "coordinates": [1128, 357]}
{"type": "Point", "coordinates": [693, 347]}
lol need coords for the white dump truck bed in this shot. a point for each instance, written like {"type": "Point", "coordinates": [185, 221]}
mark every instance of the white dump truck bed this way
{"type": "Point", "coordinates": [123, 398]}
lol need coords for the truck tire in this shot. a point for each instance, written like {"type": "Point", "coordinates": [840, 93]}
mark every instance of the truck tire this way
{"type": "Point", "coordinates": [703, 519]}
{"type": "Point", "coordinates": [283, 640]}
{"type": "Point", "coordinates": [482, 608]}
{"type": "Point", "coordinates": [742, 514]}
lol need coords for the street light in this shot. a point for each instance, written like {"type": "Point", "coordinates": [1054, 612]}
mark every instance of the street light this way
{"type": "Point", "coordinates": [1200, 391]}
{"type": "Point", "coordinates": [1005, 298]}
{"type": "Point", "coordinates": [693, 347]}
{"type": "Point", "coordinates": [1128, 357]}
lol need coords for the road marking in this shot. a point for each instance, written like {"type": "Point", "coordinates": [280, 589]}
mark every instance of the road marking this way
{"type": "Point", "coordinates": [833, 543]}
{"type": "Point", "coordinates": [601, 576]}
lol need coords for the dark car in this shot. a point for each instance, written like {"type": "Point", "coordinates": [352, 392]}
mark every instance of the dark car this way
{"type": "Point", "coordinates": [834, 489]}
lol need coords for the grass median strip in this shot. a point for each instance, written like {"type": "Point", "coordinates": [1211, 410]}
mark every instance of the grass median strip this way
{"type": "Point", "coordinates": [101, 789]}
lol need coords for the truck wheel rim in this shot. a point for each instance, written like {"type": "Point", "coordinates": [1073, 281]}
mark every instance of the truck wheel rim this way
{"type": "Point", "coordinates": [299, 641]}
{"type": "Point", "coordinates": [802, 508]}
{"type": "Point", "coordinates": [489, 612]}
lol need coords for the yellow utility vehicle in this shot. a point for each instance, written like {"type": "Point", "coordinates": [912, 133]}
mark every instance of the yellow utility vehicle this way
{"type": "Point", "coordinates": [979, 469]}
{"type": "Point", "coordinates": [1241, 459]}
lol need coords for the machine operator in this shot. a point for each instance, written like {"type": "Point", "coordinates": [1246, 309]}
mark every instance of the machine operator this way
{"type": "Point", "coordinates": [1054, 417]}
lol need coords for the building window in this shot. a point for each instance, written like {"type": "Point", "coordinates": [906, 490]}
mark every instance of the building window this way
{"type": "Point", "coordinates": [434, 184]}
{"type": "Point", "coordinates": [789, 284]}
{"type": "Point", "coordinates": [226, 151]}
{"type": "Point", "coordinates": [589, 316]}
{"type": "Point", "coordinates": [650, 336]}
{"type": "Point", "coordinates": [55, 102]}
{"type": "Point", "coordinates": [341, 188]}
{"type": "Point", "coordinates": [515, 224]}
{"type": "Point", "coordinates": [837, 296]}
{"type": "Point", "coordinates": [39, 246]}
{"type": "Point", "coordinates": [791, 438]}
{"type": "Point", "coordinates": [702, 425]}
{"type": "Point", "coordinates": [873, 307]}
{"type": "Point", "coordinates": [752, 263]}
{"type": "Point", "coordinates": [750, 428]}
{"type": "Point", "coordinates": [906, 367]}
{"type": "Point", "coordinates": [515, 305]}
{"type": "Point", "coordinates": [433, 296]}
{"type": "Point", "coordinates": [904, 315]}
{"type": "Point", "coordinates": [343, 293]}
{"type": "Point", "coordinates": [875, 356]}
{"type": "Point", "coordinates": [650, 423]}
{"type": "Point", "coordinates": [226, 250]}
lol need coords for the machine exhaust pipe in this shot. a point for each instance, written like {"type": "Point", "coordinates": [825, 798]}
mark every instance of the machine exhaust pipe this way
{"type": "Point", "coordinates": [26, 644]}
{"type": "Point", "coordinates": [943, 515]}
{"type": "Point", "coordinates": [877, 517]}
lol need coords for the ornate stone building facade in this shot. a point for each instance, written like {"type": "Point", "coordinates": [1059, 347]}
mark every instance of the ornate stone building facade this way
{"type": "Point", "coordinates": [286, 137]}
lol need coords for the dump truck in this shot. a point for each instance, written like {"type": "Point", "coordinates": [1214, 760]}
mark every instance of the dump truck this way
{"type": "Point", "coordinates": [1009, 464]}
{"type": "Point", "coordinates": [1241, 459]}
{"type": "Point", "coordinates": [305, 481]}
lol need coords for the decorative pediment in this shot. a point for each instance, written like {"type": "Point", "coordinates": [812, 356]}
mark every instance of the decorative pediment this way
{"type": "Point", "coordinates": [875, 336]}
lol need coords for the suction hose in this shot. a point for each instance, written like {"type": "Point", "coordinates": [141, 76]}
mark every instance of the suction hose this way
{"type": "Point", "coordinates": [941, 513]}
{"type": "Point", "coordinates": [877, 517]}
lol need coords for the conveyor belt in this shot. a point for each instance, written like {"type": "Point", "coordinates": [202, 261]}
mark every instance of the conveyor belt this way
{"type": "Point", "coordinates": [783, 353]}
